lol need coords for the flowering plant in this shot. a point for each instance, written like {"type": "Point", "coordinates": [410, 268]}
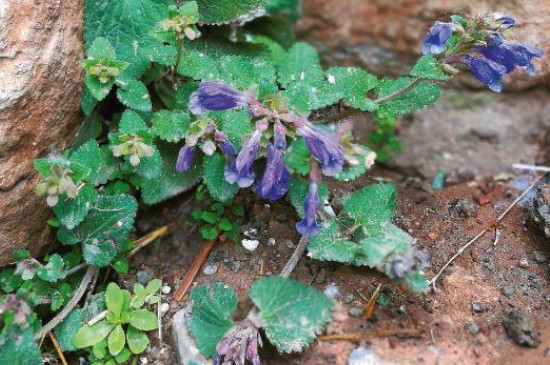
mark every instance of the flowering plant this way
{"type": "Point", "coordinates": [205, 93]}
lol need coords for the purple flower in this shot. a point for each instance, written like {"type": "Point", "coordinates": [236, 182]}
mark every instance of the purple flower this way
{"type": "Point", "coordinates": [240, 170]}
{"type": "Point", "coordinates": [215, 96]}
{"type": "Point", "coordinates": [488, 72]}
{"type": "Point", "coordinates": [308, 226]}
{"type": "Point", "coordinates": [505, 21]}
{"type": "Point", "coordinates": [512, 54]}
{"type": "Point", "coordinates": [226, 146]}
{"type": "Point", "coordinates": [274, 183]}
{"type": "Point", "coordinates": [324, 147]}
{"type": "Point", "coordinates": [239, 345]}
{"type": "Point", "coordinates": [185, 158]}
{"type": "Point", "coordinates": [437, 38]}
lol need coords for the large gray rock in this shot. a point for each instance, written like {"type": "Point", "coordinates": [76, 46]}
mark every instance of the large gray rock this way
{"type": "Point", "coordinates": [40, 90]}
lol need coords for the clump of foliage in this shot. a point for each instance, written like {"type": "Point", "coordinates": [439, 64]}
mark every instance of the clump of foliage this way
{"type": "Point", "coordinates": [218, 94]}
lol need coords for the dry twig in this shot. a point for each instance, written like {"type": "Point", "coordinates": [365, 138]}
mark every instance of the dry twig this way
{"type": "Point", "coordinates": [371, 334]}
{"type": "Point", "coordinates": [369, 308]}
{"type": "Point", "coordinates": [293, 261]}
{"type": "Point", "coordinates": [57, 348]}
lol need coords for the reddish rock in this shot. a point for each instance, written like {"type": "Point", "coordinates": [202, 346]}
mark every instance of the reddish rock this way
{"type": "Point", "coordinates": [40, 90]}
{"type": "Point", "coordinates": [385, 35]}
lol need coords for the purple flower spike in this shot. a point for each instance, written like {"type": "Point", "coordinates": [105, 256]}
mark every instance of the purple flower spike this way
{"type": "Point", "coordinates": [437, 38]}
{"type": "Point", "coordinates": [215, 96]}
{"type": "Point", "coordinates": [308, 226]}
{"type": "Point", "coordinates": [324, 147]}
{"type": "Point", "coordinates": [512, 54]}
{"type": "Point", "coordinates": [488, 72]}
{"type": "Point", "coordinates": [275, 181]}
{"type": "Point", "coordinates": [185, 158]}
{"type": "Point", "coordinates": [240, 171]}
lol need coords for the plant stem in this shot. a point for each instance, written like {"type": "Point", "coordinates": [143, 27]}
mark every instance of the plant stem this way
{"type": "Point", "coordinates": [293, 261]}
{"type": "Point", "coordinates": [58, 348]}
{"type": "Point", "coordinates": [368, 335]}
{"type": "Point", "coordinates": [395, 94]}
{"type": "Point", "coordinates": [178, 60]}
{"type": "Point", "coordinates": [91, 272]}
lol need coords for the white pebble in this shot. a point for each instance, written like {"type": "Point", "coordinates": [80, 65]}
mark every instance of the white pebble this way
{"type": "Point", "coordinates": [166, 289]}
{"type": "Point", "coordinates": [331, 291]}
{"type": "Point", "coordinates": [210, 269]}
{"type": "Point", "coordinates": [164, 307]}
{"type": "Point", "coordinates": [144, 360]}
{"type": "Point", "coordinates": [250, 245]}
{"type": "Point", "coordinates": [271, 241]}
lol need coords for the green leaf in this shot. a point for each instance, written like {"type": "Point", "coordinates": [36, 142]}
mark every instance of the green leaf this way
{"type": "Point", "coordinates": [370, 207]}
{"type": "Point", "coordinates": [169, 182]}
{"type": "Point", "coordinates": [116, 340]}
{"type": "Point", "coordinates": [127, 24]}
{"type": "Point", "coordinates": [89, 129]}
{"type": "Point", "coordinates": [114, 299]}
{"type": "Point", "coordinates": [236, 124]}
{"type": "Point", "coordinates": [353, 84]}
{"type": "Point", "coordinates": [150, 167]}
{"type": "Point", "coordinates": [197, 64]}
{"type": "Point", "coordinates": [244, 73]}
{"type": "Point", "coordinates": [88, 102]}
{"type": "Point", "coordinates": [209, 217]}
{"type": "Point", "coordinates": [292, 313]}
{"type": "Point", "coordinates": [20, 349]}
{"type": "Point", "coordinates": [142, 319]}
{"type": "Point", "coordinates": [123, 356]}
{"type": "Point", "coordinates": [298, 190]}
{"type": "Point", "coordinates": [137, 341]}
{"type": "Point", "coordinates": [170, 126]}
{"type": "Point", "coordinates": [214, 304]}
{"type": "Point", "coordinates": [224, 11]}
{"type": "Point", "coordinates": [301, 65]}
{"type": "Point", "coordinates": [96, 88]}
{"type": "Point", "coordinates": [213, 168]}
{"type": "Point", "coordinates": [90, 335]}
{"type": "Point", "coordinates": [225, 225]}
{"type": "Point", "coordinates": [328, 245]}
{"type": "Point", "coordinates": [428, 67]}
{"type": "Point", "coordinates": [53, 271]}
{"type": "Point", "coordinates": [135, 95]}
{"type": "Point", "coordinates": [297, 157]}
{"type": "Point", "coordinates": [9, 281]}
{"type": "Point", "coordinates": [101, 48]}
{"type": "Point", "coordinates": [71, 212]}
{"type": "Point", "coordinates": [422, 94]}
{"type": "Point", "coordinates": [379, 247]}
{"type": "Point", "coordinates": [291, 9]}
{"type": "Point", "coordinates": [209, 232]}
{"type": "Point", "coordinates": [365, 159]}
{"type": "Point", "coordinates": [132, 123]}
{"type": "Point", "coordinates": [86, 161]}
{"type": "Point", "coordinates": [67, 329]}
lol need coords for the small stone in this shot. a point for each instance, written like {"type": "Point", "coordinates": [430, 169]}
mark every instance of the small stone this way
{"type": "Point", "coordinates": [144, 276]}
{"type": "Point", "coordinates": [348, 298]}
{"type": "Point", "coordinates": [290, 244]}
{"type": "Point", "coordinates": [356, 311]}
{"type": "Point", "coordinates": [164, 307]}
{"type": "Point", "coordinates": [401, 309]}
{"type": "Point", "coordinates": [144, 361]}
{"type": "Point", "coordinates": [236, 266]}
{"type": "Point", "coordinates": [364, 356]}
{"type": "Point", "coordinates": [210, 269]}
{"type": "Point", "coordinates": [250, 245]}
{"type": "Point", "coordinates": [251, 233]}
{"type": "Point", "coordinates": [166, 289]}
{"type": "Point", "coordinates": [185, 345]}
{"type": "Point", "coordinates": [507, 290]}
{"type": "Point", "coordinates": [547, 298]}
{"type": "Point", "coordinates": [331, 291]}
{"type": "Point", "coordinates": [523, 263]}
{"type": "Point", "coordinates": [473, 327]}
{"type": "Point", "coordinates": [519, 329]}
{"type": "Point", "coordinates": [540, 257]}
{"type": "Point", "coordinates": [271, 241]}
{"type": "Point", "coordinates": [478, 307]}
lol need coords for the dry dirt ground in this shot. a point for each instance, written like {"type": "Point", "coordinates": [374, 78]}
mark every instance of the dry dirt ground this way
{"type": "Point", "coordinates": [492, 305]}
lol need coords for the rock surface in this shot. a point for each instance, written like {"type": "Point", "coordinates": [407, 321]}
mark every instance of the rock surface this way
{"type": "Point", "coordinates": [40, 89]}
{"type": "Point", "coordinates": [385, 36]}
{"type": "Point", "coordinates": [184, 344]}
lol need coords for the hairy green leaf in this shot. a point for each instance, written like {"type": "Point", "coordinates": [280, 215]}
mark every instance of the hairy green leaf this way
{"type": "Point", "coordinates": [352, 84]}
{"type": "Point", "coordinates": [224, 11]}
{"type": "Point", "coordinates": [421, 94]}
{"type": "Point", "coordinates": [292, 313]}
{"type": "Point", "coordinates": [214, 304]}
{"type": "Point", "coordinates": [71, 212]}
{"type": "Point", "coordinates": [428, 67]}
{"type": "Point", "coordinates": [135, 95]}
{"type": "Point", "coordinates": [170, 126]}
{"type": "Point", "coordinates": [213, 168]}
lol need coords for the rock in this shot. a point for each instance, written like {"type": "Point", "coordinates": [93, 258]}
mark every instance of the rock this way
{"type": "Point", "coordinates": [541, 213]}
{"type": "Point", "coordinates": [184, 344]}
{"type": "Point", "coordinates": [250, 245]}
{"type": "Point", "coordinates": [473, 327]}
{"type": "Point", "coordinates": [166, 289]}
{"type": "Point", "coordinates": [385, 36]}
{"type": "Point", "coordinates": [523, 263]}
{"type": "Point", "coordinates": [145, 276]}
{"type": "Point", "coordinates": [364, 356]}
{"type": "Point", "coordinates": [463, 207]}
{"type": "Point", "coordinates": [356, 311]}
{"type": "Point", "coordinates": [348, 298]}
{"type": "Point", "coordinates": [507, 290]}
{"type": "Point", "coordinates": [540, 257]}
{"type": "Point", "coordinates": [210, 269]}
{"type": "Point", "coordinates": [519, 330]}
{"type": "Point", "coordinates": [478, 307]}
{"type": "Point", "coordinates": [40, 90]}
